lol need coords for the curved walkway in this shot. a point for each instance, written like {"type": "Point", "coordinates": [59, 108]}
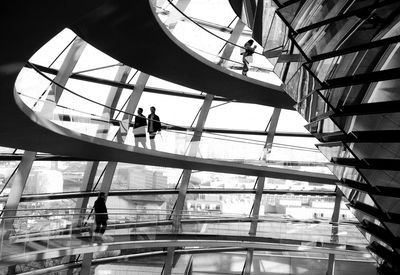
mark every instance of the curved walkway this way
{"type": "Point", "coordinates": [26, 27]}
{"type": "Point", "coordinates": [132, 33]}
{"type": "Point", "coordinates": [80, 246]}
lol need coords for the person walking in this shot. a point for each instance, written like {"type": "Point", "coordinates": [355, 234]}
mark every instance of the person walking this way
{"type": "Point", "coordinates": [139, 129]}
{"type": "Point", "coordinates": [154, 126]}
{"type": "Point", "coordinates": [101, 215]}
{"type": "Point", "coordinates": [248, 55]}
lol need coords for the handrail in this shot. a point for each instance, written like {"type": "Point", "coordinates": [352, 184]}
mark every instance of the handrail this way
{"type": "Point", "coordinates": [190, 19]}
{"type": "Point", "coordinates": [189, 216]}
{"type": "Point", "coordinates": [167, 125]}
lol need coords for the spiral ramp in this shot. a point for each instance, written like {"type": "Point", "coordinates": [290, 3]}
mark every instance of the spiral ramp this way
{"type": "Point", "coordinates": [107, 25]}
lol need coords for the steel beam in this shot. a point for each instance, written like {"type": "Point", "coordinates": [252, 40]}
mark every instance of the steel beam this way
{"type": "Point", "coordinates": [180, 201]}
{"type": "Point", "coordinates": [273, 123]}
{"type": "Point", "coordinates": [366, 78]}
{"type": "Point", "coordinates": [62, 77]}
{"type": "Point", "coordinates": [111, 166]}
{"type": "Point", "coordinates": [144, 192]}
{"type": "Point", "coordinates": [233, 39]}
{"type": "Point", "coordinates": [335, 230]}
{"type": "Point", "coordinates": [17, 182]}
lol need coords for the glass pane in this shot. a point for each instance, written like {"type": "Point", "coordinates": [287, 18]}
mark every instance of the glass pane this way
{"type": "Point", "coordinates": [334, 150]}
{"type": "Point", "coordinates": [376, 150]}
{"type": "Point", "coordinates": [382, 177]}
{"type": "Point", "coordinates": [344, 172]}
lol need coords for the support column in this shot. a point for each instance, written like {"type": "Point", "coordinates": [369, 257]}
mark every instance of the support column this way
{"type": "Point", "coordinates": [335, 230]}
{"type": "Point", "coordinates": [193, 149]}
{"type": "Point", "coordinates": [91, 167]}
{"type": "Point", "coordinates": [124, 127]}
{"type": "Point", "coordinates": [62, 77]}
{"type": "Point", "coordinates": [198, 131]}
{"type": "Point", "coordinates": [260, 188]}
{"type": "Point", "coordinates": [56, 91]}
{"type": "Point", "coordinates": [113, 98]}
{"type": "Point", "coordinates": [180, 201]}
{"type": "Point", "coordinates": [233, 39]}
{"type": "Point", "coordinates": [86, 263]}
{"type": "Point", "coordinates": [112, 165]}
{"type": "Point", "coordinates": [18, 183]}
{"type": "Point", "coordinates": [271, 132]}
{"type": "Point", "coordinates": [133, 103]}
{"type": "Point", "coordinates": [87, 185]}
{"type": "Point", "coordinates": [254, 222]}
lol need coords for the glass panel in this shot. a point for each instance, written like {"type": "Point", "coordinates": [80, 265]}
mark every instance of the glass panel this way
{"type": "Point", "coordinates": [141, 177]}
{"type": "Point", "coordinates": [49, 52]}
{"type": "Point", "coordinates": [328, 37]}
{"type": "Point", "coordinates": [212, 38]}
{"type": "Point", "coordinates": [276, 36]}
{"type": "Point", "coordinates": [371, 238]}
{"type": "Point", "coordinates": [202, 179]}
{"type": "Point", "coordinates": [231, 116]}
{"type": "Point", "coordinates": [290, 11]}
{"type": "Point", "coordinates": [394, 228]}
{"type": "Point", "coordinates": [376, 150]}
{"type": "Point", "coordinates": [323, 126]}
{"type": "Point", "coordinates": [361, 216]}
{"type": "Point", "coordinates": [319, 11]}
{"type": "Point", "coordinates": [352, 95]}
{"type": "Point", "coordinates": [45, 216]}
{"type": "Point", "coordinates": [55, 177]}
{"type": "Point", "coordinates": [382, 177]}
{"type": "Point", "coordinates": [342, 96]}
{"type": "Point", "coordinates": [375, 122]}
{"type": "Point", "coordinates": [279, 67]}
{"type": "Point", "coordinates": [302, 150]}
{"type": "Point", "coordinates": [346, 65]}
{"type": "Point", "coordinates": [334, 150]}
{"type": "Point", "coordinates": [6, 170]}
{"type": "Point", "coordinates": [388, 204]}
{"type": "Point", "coordinates": [301, 84]}
{"type": "Point", "coordinates": [182, 114]}
{"type": "Point", "coordinates": [344, 172]}
{"type": "Point", "coordinates": [312, 107]}
{"type": "Point", "coordinates": [6, 150]}
{"type": "Point", "coordinates": [95, 63]}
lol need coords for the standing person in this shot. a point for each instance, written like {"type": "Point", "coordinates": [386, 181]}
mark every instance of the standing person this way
{"type": "Point", "coordinates": [100, 210]}
{"type": "Point", "coordinates": [153, 127]}
{"type": "Point", "coordinates": [139, 129]}
{"type": "Point", "coordinates": [248, 55]}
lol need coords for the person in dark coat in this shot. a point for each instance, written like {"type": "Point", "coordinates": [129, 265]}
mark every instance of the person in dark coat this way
{"type": "Point", "coordinates": [154, 126]}
{"type": "Point", "coordinates": [249, 49]}
{"type": "Point", "coordinates": [101, 217]}
{"type": "Point", "coordinates": [139, 128]}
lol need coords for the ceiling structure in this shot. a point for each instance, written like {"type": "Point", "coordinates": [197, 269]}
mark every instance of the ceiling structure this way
{"type": "Point", "coordinates": [104, 142]}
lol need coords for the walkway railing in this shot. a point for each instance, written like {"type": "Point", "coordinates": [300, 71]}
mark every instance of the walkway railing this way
{"type": "Point", "coordinates": [69, 226]}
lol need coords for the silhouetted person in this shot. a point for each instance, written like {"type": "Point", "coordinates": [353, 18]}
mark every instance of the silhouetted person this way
{"type": "Point", "coordinates": [154, 126]}
{"type": "Point", "coordinates": [248, 55]}
{"type": "Point", "coordinates": [100, 211]}
{"type": "Point", "coordinates": [139, 129]}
